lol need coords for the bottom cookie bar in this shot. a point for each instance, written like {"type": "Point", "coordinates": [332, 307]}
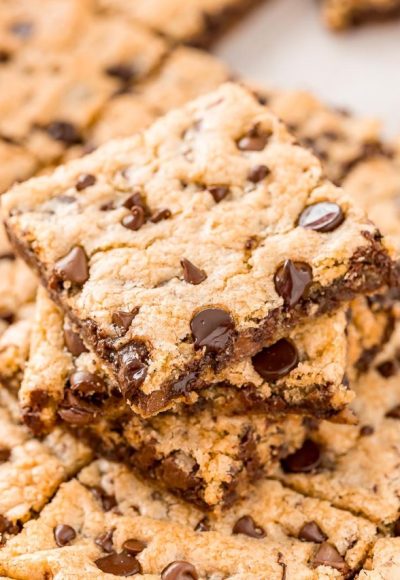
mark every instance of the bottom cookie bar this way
{"type": "Point", "coordinates": [357, 467]}
{"type": "Point", "coordinates": [108, 522]}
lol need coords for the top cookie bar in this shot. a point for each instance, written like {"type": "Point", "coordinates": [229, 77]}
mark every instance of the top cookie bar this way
{"type": "Point", "coordinates": [194, 243]}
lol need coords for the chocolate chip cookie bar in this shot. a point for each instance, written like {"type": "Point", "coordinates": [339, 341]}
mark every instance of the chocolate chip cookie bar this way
{"type": "Point", "coordinates": [31, 470]}
{"type": "Point", "coordinates": [197, 23]}
{"type": "Point", "coordinates": [107, 521]}
{"type": "Point", "coordinates": [172, 229]}
{"type": "Point", "coordinates": [357, 467]}
{"type": "Point", "coordinates": [340, 14]}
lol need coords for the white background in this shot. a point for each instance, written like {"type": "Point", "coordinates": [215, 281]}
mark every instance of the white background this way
{"type": "Point", "coordinates": [283, 43]}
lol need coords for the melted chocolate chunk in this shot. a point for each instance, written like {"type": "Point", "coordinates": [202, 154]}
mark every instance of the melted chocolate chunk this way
{"type": "Point", "coordinates": [121, 71]}
{"type": "Point", "coordinates": [123, 319]}
{"type": "Point", "coordinates": [191, 273]}
{"type": "Point", "coordinates": [76, 411]}
{"type": "Point", "coordinates": [179, 570]}
{"type": "Point", "coordinates": [311, 532]}
{"type": "Point", "coordinates": [73, 342]}
{"type": "Point", "coordinates": [63, 535]}
{"type": "Point", "coordinates": [292, 281]}
{"type": "Point", "coordinates": [324, 216]}
{"type": "Point", "coordinates": [105, 541]}
{"type": "Point", "coordinates": [133, 546]}
{"type": "Point", "coordinates": [366, 431]}
{"type": "Point", "coordinates": [327, 555]}
{"type": "Point", "coordinates": [276, 361]}
{"type": "Point", "coordinates": [396, 528]}
{"type": "Point", "coordinates": [161, 214]}
{"type": "Point", "coordinates": [387, 369]}
{"type": "Point", "coordinates": [219, 192]}
{"type": "Point", "coordinates": [133, 367]}
{"type": "Point", "coordinates": [212, 328]}
{"type": "Point", "coordinates": [122, 564]}
{"type": "Point", "coordinates": [84, 181]}
{"type": "Point", "coordinates": [65, 132]}
{"type": "Point", "coordinates": [175, 477]}
{"type": "Point", "coordinates": [304, 459]}
{"type": "Point", "coordinates": [7, 527]}
{"type": "Point", "coordinates": [394, 413]}
{"type": "Point", "coordinates": [247, 526]}
{"type": "Point", "coordinates": [4, 454]}
{"type": "Point", "coordinates": [135, 219]}
{"type": "Point", "coordinates": [255, 140]}
{"type": "Point", "coordinates": [73, 267]}
{"type": "Point", "coordinates": [87, 384]}
{"type": "Point", "coordinates": [258, 173]}
{"type": "Point", "coordinates": [134, 200]}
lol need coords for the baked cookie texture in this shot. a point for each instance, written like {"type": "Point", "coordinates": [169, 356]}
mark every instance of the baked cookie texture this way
{"type": "Point", "coordinates": [357, 466]}
{"type": "Point", "coordinates": [340, 14]}
{"type": "Point", "coordinates": [87, 524]}
{"type": "Point", "coordinates": [136, 192]}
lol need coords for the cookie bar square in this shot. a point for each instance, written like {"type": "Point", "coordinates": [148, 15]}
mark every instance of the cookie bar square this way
{"type": "Point", "coordinates": [194, 243]}
{"type": "Point", "coordinates": [107, 521]}
{"type": "Point", "coordinates": [357, 466]}
{"type": "Point", "coordinates": [340, 14]}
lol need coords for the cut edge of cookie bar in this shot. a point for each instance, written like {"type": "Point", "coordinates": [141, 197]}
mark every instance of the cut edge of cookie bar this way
{"type": "Point", "coordinates": [342, 14]}
{"type": "Point", "coordinates": [92, 517]}
{"type": "Point", "coordinates": [235, 126]}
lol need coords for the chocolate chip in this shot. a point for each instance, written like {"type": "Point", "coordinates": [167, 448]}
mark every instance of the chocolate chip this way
{"type": "Point", "coordinates": [107, 206]}
{"type": "Point", "coordinates": [123, 319]}
{"type": "Point", "coordinates": [122, 564]}
{"type": "Point", "coordinates": [134, 200]}
{"type": "Point", "coordinates": [161, 214]}
{"type": "Point", "coordinates": [8, 527]}
{"type": "Point", "coordinates": [258, 173]}
{"type": "Point", "coordinates": [63, 535]}
{"type": "Point", "coordinates": [247, 526]}
{"type": "Point", "coordinates": [135, 219]}
{"type": "Point", "coordinates": [366, 431]}
{"type": "Point", "coordinates": [22, 29]}
{"type": "Point", "coordinates": [133, 546]}
{"type": "Point", "coordinates": [396, 528]}
{"type": "Point", "coordinates": [303, 460]}
{"type": "Point", "coordinates": [4, 454]}
{"type": "Point", "coordinates": [179, 570]}
{"type": "Point", "coordinates": [219, 192]}
{"type": "Point", "coordinates": [387, 369]}
{"type": "Point", "coordinates": [394, 413]}
{"type": "Point", "coordinates": [203, 525]}
{"type": "Point", "coordinates": [76, 411]}
{"type": "Point", "coordinates": [292, 280]}
{"type": "Point", "coordinates": [133, 367]}
{"type": "Point", "coordinates": [324, 216]}
{"type": "Point", "coordinates": [8, 256]}
{"type": "Point", "coordinates": [276, 361]}
{"type": "Point", "coordinates": [212, 328]}
{"type": "Point", "coordinates": [85, 181]}
{"type": "Point", "coordinates": [4, 56]}
{"type": "Point", "coordinates": [107, 501]}
{"type": "Point", "coordinates": [73, 342]}
{"type": "Point", "coordinates": [87, 384]}
{"type": "Point", "coordinates": [73, 267]}
{"type": "Point", "coordinates": [327, 555]}
{"type": "Point", "coordinates": [105, 541]}
{"type": "Point", "coordinates": [311, 532]}
{"type": "Point", "coordinates": [65, 132]}
{"type": "Point", "coordinates": [123, 72]}
{"type": "Point", "coordinates": [254, 140]}
{"type": "Point", "coordinates": [191, 273]}
{"type": "Point", "coordinates": [175, 477]}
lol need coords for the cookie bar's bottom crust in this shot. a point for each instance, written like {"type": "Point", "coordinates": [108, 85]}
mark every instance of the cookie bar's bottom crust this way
{"type": "Point", "coordinates": [378, 271]}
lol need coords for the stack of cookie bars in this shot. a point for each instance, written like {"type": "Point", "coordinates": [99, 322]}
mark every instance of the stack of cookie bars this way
{"type": "Point", "coordinates": [206, 383]}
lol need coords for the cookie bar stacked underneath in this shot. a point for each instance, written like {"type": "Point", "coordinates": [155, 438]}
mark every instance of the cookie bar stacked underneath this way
{"type": "Point", "coordinates": [194, 245]}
